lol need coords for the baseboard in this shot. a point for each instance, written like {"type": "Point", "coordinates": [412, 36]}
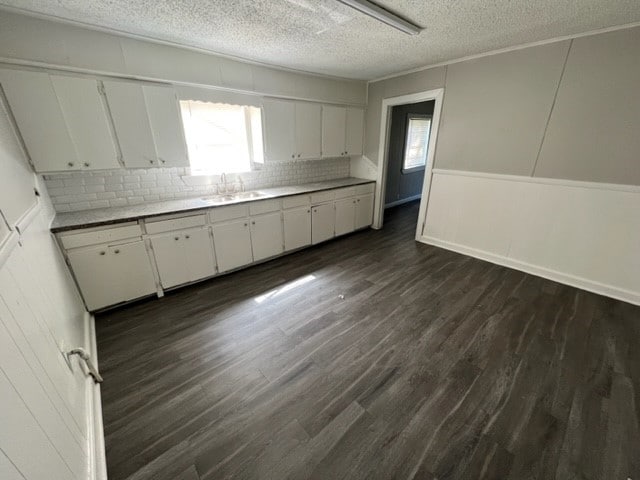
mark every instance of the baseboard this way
{"type": "Point", "coordinates": [95, 433]}
{"type": "Point", "coordinates": [571, 280]}
{"type": "Point", "coordinates": [403, 200]}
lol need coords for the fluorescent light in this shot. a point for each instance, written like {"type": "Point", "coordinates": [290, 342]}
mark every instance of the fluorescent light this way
{"type": "Point", "coordinates": [385, 16]}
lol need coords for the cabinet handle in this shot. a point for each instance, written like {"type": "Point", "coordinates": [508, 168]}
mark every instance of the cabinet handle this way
{"type": "Point", "coordinates": [102, 253]}
{"type": "Point", "coordinates": [246, 224]}
{"type": "Point", "coordinates": [358, 200]}
{"type": "Point", "coordinates": [293, 156]}
{"type": "Point", "coordinates": [150, 161]}
{"type": "Point", "coordinates": [162, 161]}
{"type": "Point", "coordinates": [176, 238]}
{"type": "Point", "coordinates": [315, 211]}
{"type": "Point", "coordinates": [308, 211]}
{"type": "Point", "coordinates": [354, 201]}
{"type": "Point", "coordinates": [87, 164]}
{"type": "Point", "coordinates": [253, 222]}
{"type": "Point", "coordinates": [70, 164]}
{"type": "Point", "coordinates": [116, 251]}
{"type": "Point", "coordinates": [187, 236]}
{"type": "Point", "coordinates": [298, 155]}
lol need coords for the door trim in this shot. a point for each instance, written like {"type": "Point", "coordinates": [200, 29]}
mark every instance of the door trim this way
{"type": "Point", "coordinates": [385, 124]}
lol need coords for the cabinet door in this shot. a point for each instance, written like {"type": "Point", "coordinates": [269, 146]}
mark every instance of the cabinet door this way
{"type": "Point", "coordinates": [131, 122]}
{"type": "Point", "coordinates": [266, 236]}
{"type": "Point", "coordinates": [132, 270]}
{"type": "Point", "coordinates": [355, 131]}
{"type": "Point", "coordinates": [345, 216]}
{"type": "Point", "coordinates": [279, 130]}
{"type": "Point", "coordinates": [364, 210]}
{"type": "Point", "coordinates": [94, 271]}
{"type": "Point", "coordinates": [166, 126]}
{"type": "Point", "coordinates": [169, 252]}
{"type": "Point", "coordinates": [322, 222]}
{"type": "Point", "coordinates": [334, 120]}
{"type": "Point", "coordinates": [199, 257]}
{"type": "Point", "coordinates": [308, 130]}
{"type": "Point", "coordinates": [232, 242]}
{"type": "Point", "coordinates": [87, 122]}
{"type": "Point", "coordinates": [297, 228]}
{"type": "Point", "coordinates": [40, 120]}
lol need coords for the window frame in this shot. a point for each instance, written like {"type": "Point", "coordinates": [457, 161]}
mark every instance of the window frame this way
{"type": "Point", "coordinates": [415, 116]}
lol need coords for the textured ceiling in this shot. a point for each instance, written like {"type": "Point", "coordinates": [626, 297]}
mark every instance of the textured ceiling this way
{"type": "Point", "coordinates": [324, 36]}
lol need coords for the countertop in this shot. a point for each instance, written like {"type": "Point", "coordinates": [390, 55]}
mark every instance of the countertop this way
{"type": "Point", "coordinates": [106, 216]}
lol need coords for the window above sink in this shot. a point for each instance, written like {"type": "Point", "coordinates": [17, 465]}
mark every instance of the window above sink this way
{"type": "Point", "coordinates": [222, 138]}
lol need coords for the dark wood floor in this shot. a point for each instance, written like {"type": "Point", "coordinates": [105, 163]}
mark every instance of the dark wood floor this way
{"type": "Point", "coordinates": [373, 356]}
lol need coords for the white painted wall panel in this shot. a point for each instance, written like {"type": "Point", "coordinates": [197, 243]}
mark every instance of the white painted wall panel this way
{"type": "Point", "coordinates": [584, 234]}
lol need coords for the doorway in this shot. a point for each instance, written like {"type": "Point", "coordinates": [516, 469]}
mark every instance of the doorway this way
{"type": "Point", "coordinates": [429, 96]}
{"type": "Point", "coordinates": [407, 152]}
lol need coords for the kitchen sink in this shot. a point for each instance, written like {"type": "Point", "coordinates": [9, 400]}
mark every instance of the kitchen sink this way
{"type": "Point", "coordinates": [233, 197]}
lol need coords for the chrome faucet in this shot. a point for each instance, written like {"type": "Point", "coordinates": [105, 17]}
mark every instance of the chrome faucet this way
{"type": "Point", "coordinates": [222, 186]}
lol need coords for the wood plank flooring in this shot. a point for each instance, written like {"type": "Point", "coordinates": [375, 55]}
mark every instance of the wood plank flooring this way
{"type": "Point", "coordinates": [373, 357]}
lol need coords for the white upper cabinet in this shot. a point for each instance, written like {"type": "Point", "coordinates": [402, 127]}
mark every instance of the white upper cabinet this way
{"type": "Point", "coordinates": [166, 126]}
{"type": "Point", "coordinates": [62, 120]}
{"type": "Point", "coordinates": [354, 131]}
{"type": "Point", "coordinates": [334, 122]}
{"type": "Point", "coordinates": [279, 130]}
{"type": "Point", "coordinates": [131, 121]}
{"type": "Point", "coordinates": [148, 124]}
{"type": "Point", "coordinates": [308, 130]}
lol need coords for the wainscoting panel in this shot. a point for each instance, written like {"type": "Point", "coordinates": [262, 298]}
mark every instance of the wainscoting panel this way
{"type": "Point", "coordinates": [580, 233]}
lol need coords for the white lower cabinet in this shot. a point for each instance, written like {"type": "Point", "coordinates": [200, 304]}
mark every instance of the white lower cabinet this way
{"type": "Point", "coordinates": [266, 236]}
{"type": "Point", "coordinates": [364, 211]}
{"type": "Point", "coordinates": [183, 256]}
{"type": "Point", "coordinates": [110, 274]}
{"type": "Point", "coordinates": [233, 244]}
{"type": "Point", "coordinates": [297, 228]}
{"type": "Point", "coordinates": [345, 216]}
{"type": "Point", "coordinates": [322, 222]}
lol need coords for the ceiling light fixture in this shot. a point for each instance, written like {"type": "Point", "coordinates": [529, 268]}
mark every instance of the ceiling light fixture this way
{"type": "Point", "coordinates": [382, 15]}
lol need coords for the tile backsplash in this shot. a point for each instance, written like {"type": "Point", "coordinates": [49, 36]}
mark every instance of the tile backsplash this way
{"type": "Point", "coordinates": [116, 188]}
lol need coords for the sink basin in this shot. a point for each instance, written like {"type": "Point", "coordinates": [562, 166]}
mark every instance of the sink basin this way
{"type": "Point", "coordinates": [233, 197]}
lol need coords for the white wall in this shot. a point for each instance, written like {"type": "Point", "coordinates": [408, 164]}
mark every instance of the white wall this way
{"type": "Point", "coordinates": [58, 45]}
{"type": "Point", "coordinates": [580, 233]}
{"type": "Point", "coordinates": [45, 432]}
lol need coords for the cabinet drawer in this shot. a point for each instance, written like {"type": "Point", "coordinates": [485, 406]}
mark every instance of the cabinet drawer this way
{"type": "Point", "coordinates": [78, 238]}
{"type": "Point", "coordinates": [366, 188]}
{"type": "Point", "coordinates": [221, 214]}
{"type": "Point", "coordinates": [264, 206]}
{"type": "Point", "coordinates": [160, 226]}
{"type": "Point", "coordinates": [295, 201]}
{"type": "Point", "coordinates": [345, 192]}
{"type": "Point", "coordinates": [321, 197]}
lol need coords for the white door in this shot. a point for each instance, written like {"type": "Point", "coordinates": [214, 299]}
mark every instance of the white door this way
{"type": "Point", "coordinates": [132, 270]}
{"type": "Point", "coordinates": [169, 252]}
{"type": "Point", "coordinates": [94, 270]}
{"type": "Point", "coordinates": [199, 257]}
{"type": "Point", "coordinates": [40, 120]}
{"type": "Point", "coordinates": [166, 126]}
{"type": "Point", "coordinates": [86, 118]}
{"type": "Point", "coordinates": [308, 130]}
{"type": "Point", "coordinates": [345, 215]}
{"type": "Point", "coordinates": [279, 130]}
{"type": "Point", "coordinates": [131, 121]}
{"type": "Point", "coordinates": [364, 210]}
{"type": "Point", "coordinates": [322, 222]}
{"type": "Point", "coordinates": [232, 242]}
{"type": "Point", "coordinates": [355, 131]}
{"type": "Point", "coordinates": [297, 228]}
{"type": "Point", "coordinates": [266, 236]}
{"type": "Point", "coordinates": [334, 120]}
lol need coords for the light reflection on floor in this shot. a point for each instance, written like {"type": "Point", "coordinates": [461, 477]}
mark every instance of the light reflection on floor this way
{"type": "Point", "coordinates": [285, 288]}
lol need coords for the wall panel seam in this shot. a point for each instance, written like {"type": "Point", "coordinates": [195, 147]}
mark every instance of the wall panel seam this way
{"type": "Point", "coordinates": [553, 104]}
